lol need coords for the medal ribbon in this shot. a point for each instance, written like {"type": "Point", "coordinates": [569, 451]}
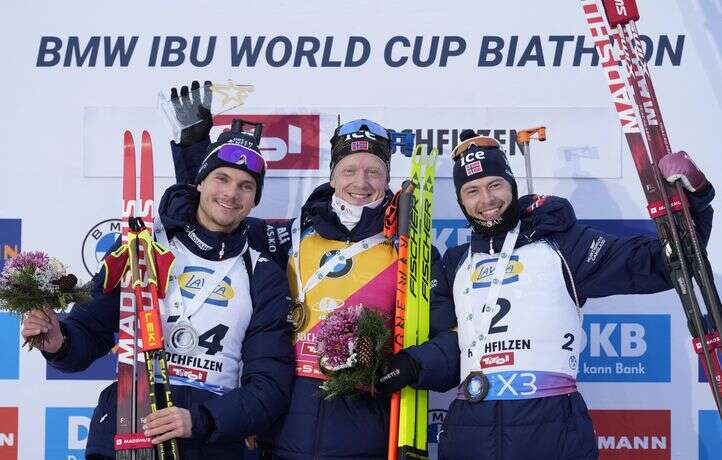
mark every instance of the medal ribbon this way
{"type": "Point", "coordinates": [475, 326]}
{"type": "Point", "coordinates": [192, 306]}
{"type": "Point", "coordinates": [341, 257]}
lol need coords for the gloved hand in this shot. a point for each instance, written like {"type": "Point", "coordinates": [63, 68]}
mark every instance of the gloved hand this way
{"type": "Point", "coordinates": [679, 166]}
{"type": "Point", "coordinates": [188, 108]}
{"type": "Point", "coordinates": [398, 371]}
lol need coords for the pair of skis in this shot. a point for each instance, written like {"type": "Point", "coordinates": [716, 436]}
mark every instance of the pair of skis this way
{"type": "Point", "coordinates": [409, 218]}
{"type": "Point", "coordinates": [641, 119]}
{"type": "Point", "coordinates": [141, 267]}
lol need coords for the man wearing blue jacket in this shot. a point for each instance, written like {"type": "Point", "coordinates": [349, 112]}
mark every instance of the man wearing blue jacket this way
{"type": "Point", "coordinates": [345, 214]}
{"type": "Point", "coordinates": [517, 289]}
{"type": "Point", "coordinates": [231, 373]}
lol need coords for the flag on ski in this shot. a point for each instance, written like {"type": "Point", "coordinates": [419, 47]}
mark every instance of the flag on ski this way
{"type": "Point", "coordinates": [641, 119]}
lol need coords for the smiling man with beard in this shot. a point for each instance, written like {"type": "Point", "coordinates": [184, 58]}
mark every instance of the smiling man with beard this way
{"type": "Point", "coordinates": [517, 290]}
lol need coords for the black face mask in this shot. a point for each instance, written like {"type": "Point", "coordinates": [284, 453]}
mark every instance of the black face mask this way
{"type": "Point", "coordinates": [508, 219]}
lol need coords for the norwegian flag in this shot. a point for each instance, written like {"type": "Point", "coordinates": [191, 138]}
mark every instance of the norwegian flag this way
{"type": "Point", "coordinates": [359, 146]}
{"type": "Point", "coordinates": [473, 168]}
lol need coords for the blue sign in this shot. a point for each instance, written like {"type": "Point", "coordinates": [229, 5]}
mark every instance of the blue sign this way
{"type": "Point", "coordinates": [710, 435]}
{"type": "Point", "coordinates": [9, 346]}
{"type": "Point", "coordinates": [66, 431]}
{"type": "Point", "coordinates": [625, 348]}
{"type": "Point", "coordinates": [448, 233]}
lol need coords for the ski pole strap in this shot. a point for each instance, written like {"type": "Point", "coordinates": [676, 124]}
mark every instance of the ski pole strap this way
{"type": "Point", "coordinates": [475, 325]}
{"type": "Point", "coordinates": [328, 266]}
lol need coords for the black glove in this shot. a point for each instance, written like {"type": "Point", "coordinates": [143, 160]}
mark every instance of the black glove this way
{"type": "Point", "coordinates": [398, 371]}
{"type": "Point", "coordinates": [188, 108]}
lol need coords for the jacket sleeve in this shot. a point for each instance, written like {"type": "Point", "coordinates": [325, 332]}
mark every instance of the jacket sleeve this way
{"type": "Point", "coordinates": [187, 160]}
{"type": "Point", "coordinates": [268, 363]}
{"type": "Point", "coordinates": [604, 264]}
{"type": "Point", "coordinates": [272, 237]}
{"type": "Point", "coordinates": [438, 358]}
{"type": "Point", "coordinates": [89, 330]}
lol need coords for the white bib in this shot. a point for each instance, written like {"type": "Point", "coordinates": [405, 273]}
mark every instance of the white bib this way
{"type": "Point", "coordinates": [221, 321]}
{"type": "Point", "coordinates": [531, 346]}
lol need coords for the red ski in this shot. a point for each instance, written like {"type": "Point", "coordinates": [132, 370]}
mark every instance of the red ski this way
{"type": "Point", "coordinates": [638, 108]}
{"type": "Point", "coordinates": [133, 402]}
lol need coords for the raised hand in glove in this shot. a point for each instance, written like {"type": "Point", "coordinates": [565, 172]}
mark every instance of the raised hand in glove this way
{"type": "Point", "coordinates": [398, 371]}
{"type": "Point", "coordinates": [190, 107]}
{"type": "Point", "coordinates": [679, 166]}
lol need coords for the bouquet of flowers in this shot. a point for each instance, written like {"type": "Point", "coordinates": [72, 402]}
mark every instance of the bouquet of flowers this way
{"type": "Point", "coordinates": [351, 344]}
{"type": "Point", "coordinates": [33, 280]}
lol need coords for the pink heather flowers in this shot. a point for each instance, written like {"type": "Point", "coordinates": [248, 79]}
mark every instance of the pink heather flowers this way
{"type": "Point", "coordinates": [337, 336]}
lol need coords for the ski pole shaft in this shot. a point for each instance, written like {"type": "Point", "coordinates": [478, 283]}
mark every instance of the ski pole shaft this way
{"type": "Point", "coordinates": [524, 137]}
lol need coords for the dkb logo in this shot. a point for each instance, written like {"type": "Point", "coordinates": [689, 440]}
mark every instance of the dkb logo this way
{"type": "Point", "coordinates": [66, 432]}
{"type": "Point", "coordinates": [625, 348]}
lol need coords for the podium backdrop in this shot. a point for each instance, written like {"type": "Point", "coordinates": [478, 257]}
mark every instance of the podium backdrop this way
{"type": "Point", "coordinates": [74, 77]}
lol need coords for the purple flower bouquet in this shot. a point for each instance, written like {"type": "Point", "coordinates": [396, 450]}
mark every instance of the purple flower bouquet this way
{"type": "Point", "coordinates": [33, 280]}
{"type": "Point", "coordinates": [351, 344]}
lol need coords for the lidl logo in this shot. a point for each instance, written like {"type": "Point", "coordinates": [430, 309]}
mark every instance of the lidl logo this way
{"type": "Point", "coordinates": [637, 434]}
{"type": "Point", "coordinates": [625, 348]}
{"type": "Point", "coordinates": [8, 433]}
{"type": "Point", "coordinates": [66, 432]}
{"type": "Point", "coordinates": [193, 279]}
{"type": "Point", "coordinates": [9, 346]}
{"type": "Point", "coordinates": [484, 272]}
{"type": "Point", "coordinates": [98, 241]}
{"type": "Point", "coordinates": [710, 435]}
{"type": "Point", "coordinates": [9, 239]}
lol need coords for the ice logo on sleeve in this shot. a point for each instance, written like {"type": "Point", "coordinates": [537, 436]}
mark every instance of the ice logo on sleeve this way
{"type": "Point", "coordinates": [625, 348]}
{"type": "Point", "coordinates": [66, 432]}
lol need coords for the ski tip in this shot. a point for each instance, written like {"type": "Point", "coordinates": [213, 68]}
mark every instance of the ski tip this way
{"type": "Point", "coordinates": [146, 137]}
{"type": "Point", "coordinates": [127, 136]}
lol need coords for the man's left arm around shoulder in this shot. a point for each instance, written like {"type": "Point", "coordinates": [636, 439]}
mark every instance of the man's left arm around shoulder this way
{"type": "Point", "coordinates": [604, 264]}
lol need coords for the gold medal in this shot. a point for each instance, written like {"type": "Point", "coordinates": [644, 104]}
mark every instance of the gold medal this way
{"type": "Point", "coordinates": [297, 316]}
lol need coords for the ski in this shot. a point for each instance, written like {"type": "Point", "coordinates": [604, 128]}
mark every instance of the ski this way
{"type": "Point", "coordinates": [413, 406]}
{"type": "Point", "coordinates": [129, 443]}
{"type": "Point", "coordinates": [425, 210]}
{"type": "Point", "coordinates": [636, 104]}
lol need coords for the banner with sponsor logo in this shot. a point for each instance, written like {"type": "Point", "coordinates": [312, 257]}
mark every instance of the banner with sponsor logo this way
{"type": "Point", "coordinates": [81, 75]}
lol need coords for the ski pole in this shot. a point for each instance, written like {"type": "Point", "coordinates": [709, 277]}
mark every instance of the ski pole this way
{"type": "Point", "coordinates": [402, 223]}
{"type": "Point", "coordinates": [523, 137]}
{"type": "Point", "coordinates": [680, 228]}
{"type": "Point", "coordinates": [149, 319]}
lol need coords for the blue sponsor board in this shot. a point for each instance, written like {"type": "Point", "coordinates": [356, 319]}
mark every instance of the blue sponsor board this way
{"type": "Point", "coordinates": [447, 233]}
{"type": "Point", "coordinates": [9, 346]}
{"type": "Point", "coordinates": [10, 230]}
{"type": "Point", "coordinates": [66, 432]}
{"type": "Point", "coordinates": [101, 369]}
{"type": "Point", "coordinates": [710, 435]}
{"type": "Point", "coordinates": [625, 348]}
